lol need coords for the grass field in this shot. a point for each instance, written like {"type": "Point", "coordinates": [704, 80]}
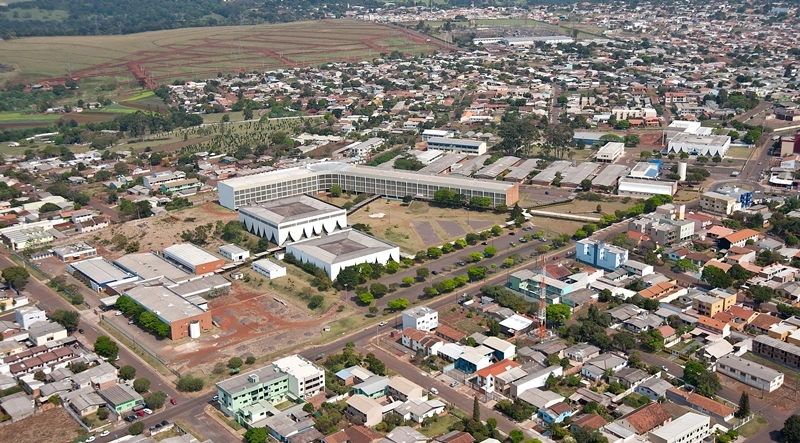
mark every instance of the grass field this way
{"type": "Point", "coordinates": [196, 53]}
{"type": "Point", "coordinates": [739, 152]}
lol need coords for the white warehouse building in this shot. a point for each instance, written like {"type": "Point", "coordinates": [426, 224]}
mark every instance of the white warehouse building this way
{"type": "Point", "coordinates": [457, 145]}
{"type": "Point", "coordinates": [642, 188]}
{"type": "Point", "coordinates": [292, 219]}
{"type": "Point", "coordinates": [705, 145]}
{"type": "Point", "coordinates": [269, 268]}
{"type": "Point", "coordinates": [342, 249]}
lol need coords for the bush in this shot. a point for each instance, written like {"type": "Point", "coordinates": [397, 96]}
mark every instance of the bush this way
{"type": "Point", "coordinates": [156, 400]}
{"type": "Point", "coordinates": [250, 360]}
{"type": "Point", "coordinates": [141, 385]}
{"type": "Point", "coordinates": [127, 372]}
{"type": "Point", "coordinates": [190, 384]}
{"type": "Point", "coordinates": [136, 428]}
{"type": "Point", "coordinates": [235, 362]}
{"type": "Point", "coordinates": [102, 413]}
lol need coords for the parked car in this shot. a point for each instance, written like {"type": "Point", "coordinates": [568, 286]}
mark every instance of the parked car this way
{"type": "Point", "coordinates": [383, 323]}
{"type": "Point", "coordinates": [147, 411]}
{"type": "Point", "coordinates": [215, 398]}
{"type": "Point", "coordinates": [104, 433]}
{"type": "Point", "coordinates": [164, 423]}
{"type": "Point", "coordinates": [140, 413]}
{"type": "Point", "coordinates": [453, 384]}
{"type": "Point", "coordinates": [522, 240]}
{"type": "Point", "coordinates": [434, 391]}
{"type": "Point", "coordinates": [555, 258]}
{"type": "Point", "coordinates": [461, 263]}
{"type": "Point", "coordinates": [484, 243]}
{"type": "Point", "coordinates": [130, 418]}
{"type": "Point", "coordinates": [118, 313]}
{"type": "Point", "coordinates": [130, 322]}
{"type": "Point", "coordinates": [81, 330]}
{"type": "Point", "coordinates": [173, 401]}
{"type": "Point", "coordinates": [91, 439]}
{"type": "Point", "coordinates": [435, 272]}
{"type": "Point", "coordinates": [512, 244]}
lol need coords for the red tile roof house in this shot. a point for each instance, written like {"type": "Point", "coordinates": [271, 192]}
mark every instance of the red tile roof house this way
{"type": "Point", "coordinates": [718, 411]}
{"type": "Point", "coordinates": [645, 419]}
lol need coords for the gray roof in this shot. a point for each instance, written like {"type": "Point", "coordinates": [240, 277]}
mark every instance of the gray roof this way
{"type": "Point", "coordinates": [342, 246]}
{"type": "Point", "coordinates": [777, 344]}
{"type": "Point", "coordinates": [119, 394]}
{"type": "Point", "coordinates": [497, 167]}
{"type": "Point", "coordinates": [405, 434]}
{"type": "Point", "coordinates": [41, 328]}
{"type": "Point", "coordinates": [148, 265]}
{"type": "Point", "coordinates": [372, 385]}
{"type": "Point", "coordinates": [190, 254]}
{"type": "Point", "coordinates": [657, 385]}
{"type": "Point", "coordinates": [232, 249]}
{"type": "Point", "coordinates": [287, 210]}
{"type": "Point", "coordinates": [99, 270]}
{"type": "Point", "coordinates": [455, 141]}
{"type": "Point", "coordinates": [470, 166]}
{"type": "Point", "coordinates": [749, 368]}
{"type": "Point", "coordinates": [165, 304]}
{"type": "Point", "coordinates": [609, 175]}
{"type": "Point", "coordinates": [538, 397]}
{"type": "Point", "coordinates": [17, 406]}
{"type": "Point", "coordinates": [242, 382]}
{"type": "Point", "coordinates": [523, 170]}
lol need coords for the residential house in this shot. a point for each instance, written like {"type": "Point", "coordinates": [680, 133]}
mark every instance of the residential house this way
{"type": "Point", "coordinates": [474, 359]}
{"type": "Point", "coordinates": [721, 413]}
{"type": "Point", "coordinates": [588, 422]}
{"type": "Point", "coordinates": [421, 317]}
{"type": "Point", "coordinates": [596, 367]}
{"type": "Point", "coordinates": [534, 379]}
{"type": "Point", "coordinates": [502, 350]}
{"type": "Point", "coordinates": [645, 419]}
{"type": "Point", "coordinates": [17, 406]}
{"type": "Point", "coordinates": [402, 389]}
{"type": "Point", "coordinates": [419, 409]}
{"type": "Point", "coordinates": [763, 322]}
{"type": "Point", "coordinates": [713, 302]}
{"type": "Point", "coordinates": [42, 332]}
{"type": "Point", "coordinates": [455, 437]}
{"type": "Point", "coordinates": [581, 352]}
{"type": "Point", "coordinates": [83, 401]}
{"type": "Point", "coordinates": [653, 388]}
{"type": "Point", "coordinates": [405, 434]}
{"type": "Point", "coordinates": [365, 411]}
{"type": "Point", "coordinates": [540, 398]}
{"type": "Point", "coordinates": [556, 413]}
{"type": "Point", "coordinates": [714, 326]}
{"type": "Point", "coordinates": [373, 387]}
{"type": "Point", "coordinates": [353, 375]}
{"type": "Point", "coordinates": [738, 238]}
{"type": "Point", "coordinates": [629, 377]}
{"type": "Point", "coordinates": [121, 398]}
{"type": "Point", "coordinates": [486, 376]}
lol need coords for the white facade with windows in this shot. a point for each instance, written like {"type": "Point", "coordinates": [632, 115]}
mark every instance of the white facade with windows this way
{"type": "Point", "coordinates": [750, 373]}
{"type": "Point", "coordinates": [694, 144]}
{"type": "Point", "coordinates": [610, 152]}
{"type": "Point", "coordinates": [234, 253]}
{"type": "Point", "coordinates": [457, 145]}
{"type": "Point", "coordinates": [305, 378]}
{"type": "Point", "coordinates": [688, 428]}
{"type": "Point", "coordinates": [269, 269]}
{"type": "Point", "coordinates": [422, 318]}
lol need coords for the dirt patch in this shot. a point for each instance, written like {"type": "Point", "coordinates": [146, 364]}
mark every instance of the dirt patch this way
{"type": "Point", "coordinates": [650, 139]}
{"type": "Point", "coordinates": [426, 233]}
{"type": "Point", "coordinates": [452, 228]}
{"type": "Point", "coordinates": [251, 322]}
{"type": "Point", "coordinates": [479, 224]}
{"type": "Point", "coordinates": [53, 425]}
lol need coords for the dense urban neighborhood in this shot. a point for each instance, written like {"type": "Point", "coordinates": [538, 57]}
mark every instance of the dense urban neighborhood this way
{"type": "Point", "coordinates": [499, 224]}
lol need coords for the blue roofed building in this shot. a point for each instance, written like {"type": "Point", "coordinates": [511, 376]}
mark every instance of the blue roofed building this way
{"type": "Point", "coordinates": [600, 255]}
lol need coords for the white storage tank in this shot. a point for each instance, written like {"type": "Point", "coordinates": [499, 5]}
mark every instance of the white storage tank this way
{"type": "Point", "coordinates": [682, 170]}
{"type": "Point", "coordinates": [194, 329]}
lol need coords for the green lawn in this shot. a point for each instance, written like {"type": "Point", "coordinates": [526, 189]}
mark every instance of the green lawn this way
{"type": "Point", "coordinates": [738, 152]}
{"type": "Point", "coordinates": [20, 117]}
{"type": "Point", "coordinates": [441, 426]}
{"type": "Point", "coordinates": [752, 426]}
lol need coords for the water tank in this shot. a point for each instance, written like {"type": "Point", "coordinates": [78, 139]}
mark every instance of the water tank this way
{"type": "Point", "coordinates": [682, 170]}
{"type": "Point", "coordinates": [194, 329]}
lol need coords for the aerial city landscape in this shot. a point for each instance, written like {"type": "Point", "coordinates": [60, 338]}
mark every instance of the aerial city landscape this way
{"type": "Point", "coordinates": [399, 222]}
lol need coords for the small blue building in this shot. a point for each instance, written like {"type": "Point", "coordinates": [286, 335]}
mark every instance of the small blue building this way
{"type": "Point", "coordinates": [556, 413]}
{"type": "Point", "coordinates": [743, 196]}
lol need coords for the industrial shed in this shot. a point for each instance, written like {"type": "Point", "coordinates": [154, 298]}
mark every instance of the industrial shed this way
{"type": "Point", "coordinates": [192, 258]}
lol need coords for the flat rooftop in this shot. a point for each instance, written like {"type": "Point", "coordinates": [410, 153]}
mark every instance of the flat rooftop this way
{"type": "Point", "coordinates": [190, 254]}
{"type": "Point", "coordinates": [609, 175]}
{"type": "Point", "coordinates": [705, 140]}
{"type": "Point", "coordinates": [99, 270]}
{"type": "Point", "coordinates": [342, 246]}
{"type": "Point", "coordinates": [242, 382]}
{"type": "Point", "coordinates": [163, 303]}
{"type": "Point", "coordinates": [148, 266]}
{"type": "Point", "coordinates": [291, 209]}
{"type": "Point", "coordinates": [74, 248]}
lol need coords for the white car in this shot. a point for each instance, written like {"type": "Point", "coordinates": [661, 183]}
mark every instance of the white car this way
{"type": "Point", "coordinates": [90, 439]}
{"type": "Point", "coordinates": [148, 411]}
{"type": "Point", "coordinates": [434, 391]}
{"type": "Point", "coordinates": [104, 433]}
{"type": "Point", "coordinates": [118, 314]}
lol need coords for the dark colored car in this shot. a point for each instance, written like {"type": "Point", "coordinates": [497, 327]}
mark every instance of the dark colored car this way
{"type": "Point", "coordinates": [435, 272]}
{"type": "Point", "coordinates": [130, 418]}
{"type": "Point", "coordinates": [80, 330]}
{"type": "Point", "coordinates": [164, 423]}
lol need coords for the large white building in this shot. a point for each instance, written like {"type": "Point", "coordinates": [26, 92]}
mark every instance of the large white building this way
{"type": "Point", "coordinates": [342, 249]}
{"type": "Point", "coordinates": [458, 145]}
{"type": "Point", "coordinates": [292, 219]}
{"type": "Point", "coordinates": [688, 428]}
{"type": "Point", "coordinates": [319, 177]}
{"type": "Point", "coordinates": [643, 188]}
{"type": "Point", "coordinates": [750, 373]}
{"type": "Point", "coordinates": [610, 152]}
{"type": "Point", "coordinates": [269, 269]}
{"type": "Point", "coordinates": [422, 318]}
{"type": "Point", "coordinates": [305, 378]}
{"type": "Point", "coordinates": [694, 144]}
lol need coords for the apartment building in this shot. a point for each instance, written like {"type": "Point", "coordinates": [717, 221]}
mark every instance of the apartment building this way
{"type": "Point", "coordinates": [422, 318]}
{"type": "Point", "coordinates": [717, 203]}
{"type": "Point", "coordinates": [663, 231]}
{"type": "Point", "coordinates": [688, 428]}
{"type": "Point", "coordinates": [243, 391]}
{"type": "Point", "coordinates": [305, 378]}
{"type": "Point", "coordinates": [713, 302]}
{"type": "Point", "coordinates": [600, 255]}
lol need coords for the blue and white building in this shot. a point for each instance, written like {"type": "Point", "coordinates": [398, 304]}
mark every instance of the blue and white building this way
{"type": "Point", "coordinates": [743, 196]}
{"type": "Point", "coordinates": [600, 255]}
{"type": "Point", "coordinates": [457, 145]}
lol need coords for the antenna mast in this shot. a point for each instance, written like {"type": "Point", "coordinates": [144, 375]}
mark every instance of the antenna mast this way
{"type": "Point", "coordinates": [543, 301]}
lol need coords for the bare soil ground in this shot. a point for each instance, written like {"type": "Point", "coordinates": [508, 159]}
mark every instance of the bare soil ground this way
{"type": "Point", "coordinates": [251, 323]}
{"type": "Point", "coordinates": [458, 319]}
{"type": "Point", "coordinates": [53, 425]}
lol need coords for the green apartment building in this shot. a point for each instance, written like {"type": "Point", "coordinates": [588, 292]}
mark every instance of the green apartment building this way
{"type": "Point", "coordinates": [249, 397]}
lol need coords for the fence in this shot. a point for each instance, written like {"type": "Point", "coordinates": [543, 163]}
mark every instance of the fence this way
{"type": "Point", "coordinates": [136, 344]}
{"type": "Point", "coordinates": [45, 276]}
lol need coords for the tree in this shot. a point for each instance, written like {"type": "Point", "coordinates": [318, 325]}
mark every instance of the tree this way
{"type": "Point", "coordinates": [691, 370]}
{"type": "Point", "coordinates": [708, 384]}
{"type": "Point", "coordinates": [434, 252]}
{"type": "Point", "coordinates": [16, 276]}
{"type": "Point", "coordinates": [624, 341]}
{"type": "Point", "coordinates": [39, 376]}
{"type": "Point", "coordinates": [336, 191]}
{"type": "Point", "coordinates": [496, 230]}
{"type": "Point", "coordinates": [760, 294]}
{"type": "Point", "coordinates": [349, 277]}
{"type": "Point", "coordinates": [190, 384]}
{"type": "Point", "coordinates": [127, 372]}
{"type": "Point", "coordinates": [366, 298]}
{"type": "Point", "coordinates": [105, 347]}
{"type": "Point", "coordinates": [408, 281]}
{"type": "Point", "coordinates": [423, 273]}
{"type": "Point", "coordinates": [397, 304]}
{"type": "Point", "coordinates": [250, 360]}
{"type": "Point", "coordinates": [791, 429]}
{"type": "Point", "coordinates": [716, 277]}
{"type": "Point", "coordinates": [744, 405]}
{"type": "Point", "coordinates": [378, 290]}
{"type": "Point", "coordinates": [235, 363]}
{"type": "Point", "coordinates": [558, 313]}
{"type": "Point", "coordinates": [136, 428]}
{"type": "Point", "coordinates": [102, 413]}
{"type": "Point", "coordinates": [684, 264]}
{"type": "Point", "coordinates": [68, 319]}
{"type": "Point", "coordinates": [490, 251]}
{"type": "Point", "coordinates": [141, 385]}
{"type": "Point", "coordinates": [516, 435]}
{"type": "Point", "coordinates": [156, 400]}
{"type": "Point", "coordinates": [476, 273]}
{"type": "Point", "coordinates": [476, 409]}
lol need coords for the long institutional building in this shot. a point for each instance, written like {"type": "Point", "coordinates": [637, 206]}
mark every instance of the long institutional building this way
{"type": "Point", "coordinates": [312, 179]}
